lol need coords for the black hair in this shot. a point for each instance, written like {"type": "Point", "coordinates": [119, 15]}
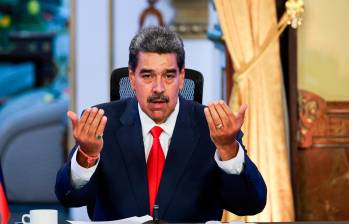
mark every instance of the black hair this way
{"type": "Point", "coordinates": [156, 40]}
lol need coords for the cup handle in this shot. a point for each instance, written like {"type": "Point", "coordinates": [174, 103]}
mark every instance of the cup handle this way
{"type": "Point", "coordinates": [23, 218]}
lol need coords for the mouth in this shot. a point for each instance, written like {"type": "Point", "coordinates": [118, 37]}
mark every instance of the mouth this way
{"type": "Point", "coordinates": [158, 101]}
{"type": "Point", "coordinates": [158, 104]}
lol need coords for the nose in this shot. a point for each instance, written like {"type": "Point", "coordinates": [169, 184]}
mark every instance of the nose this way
{"type": "Point", "coordinates": [158, 85]}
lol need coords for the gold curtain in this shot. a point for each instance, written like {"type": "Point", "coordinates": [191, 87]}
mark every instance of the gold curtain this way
{"type": "Point", "coordinates": [247, 26]}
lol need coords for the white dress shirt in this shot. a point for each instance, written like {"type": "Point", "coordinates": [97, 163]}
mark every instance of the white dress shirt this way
{"type": "Point", "coordinates": [80, 175]}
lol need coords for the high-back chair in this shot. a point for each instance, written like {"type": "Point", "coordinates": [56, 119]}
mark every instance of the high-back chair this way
{"type": "Point", "coordinates": [120, 86]}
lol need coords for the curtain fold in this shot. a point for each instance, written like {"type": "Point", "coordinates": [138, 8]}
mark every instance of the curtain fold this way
{"type": "Point", "coordinates": [247, 25]}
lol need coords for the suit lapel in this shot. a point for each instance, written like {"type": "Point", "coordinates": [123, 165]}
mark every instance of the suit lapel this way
{"type": "Point", "coordinates": [182, 144]}
{"type": "Point", "coordinates": [131, 142]}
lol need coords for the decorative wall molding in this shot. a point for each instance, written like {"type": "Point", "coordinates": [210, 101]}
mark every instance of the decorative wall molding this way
{"type": "Point", "coordinates": [322, 124]}
{"type": "Point", "coordinates": [322, 159]}
{"type": "Point", "coordinates": [191, 18]}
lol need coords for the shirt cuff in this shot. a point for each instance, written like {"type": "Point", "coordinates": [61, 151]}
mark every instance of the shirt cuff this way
{"type": "Point", "coordinates": [234, 165]}
{"type": "Point", "coordinates": [80, 175]}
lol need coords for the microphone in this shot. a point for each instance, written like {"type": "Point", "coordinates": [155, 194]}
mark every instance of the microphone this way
{"type": "Point", "coordinates": [156, 214]}
{"type": "Point", "coordinates": [156, 219]}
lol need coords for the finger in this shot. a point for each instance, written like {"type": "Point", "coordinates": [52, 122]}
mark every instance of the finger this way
{"type": "Point", "coordinates": [82, 121]}
{"type": "Point", "coordinates": [209, 119]}
{"type": "Point", "coordinates": [230, 114]}
{"type": "Point", "coordinates": [240, 117]}
{"type": "Point", "coordinates": [89, 120]}
{"type": "Point", "coordinates": [228, 110]}
{"type": "Point", "coordinates": [73, 118]}
{"type": "Point", "coordinates": [101, 126]}
{"type": "Point", "coordinates": [222, 114]}
{"type": "Point", "coordinates": [214, 114]}
{"type": "Point", "coordinates": [93, 128]}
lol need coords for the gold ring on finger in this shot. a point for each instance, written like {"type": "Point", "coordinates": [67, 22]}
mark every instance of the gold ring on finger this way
{"type": "Point", "coordinates": [99, 137]}
{"type": "Point", "coordinates": [219, 126]}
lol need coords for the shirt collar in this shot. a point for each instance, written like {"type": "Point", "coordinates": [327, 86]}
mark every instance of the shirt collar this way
{"type": "Point", "coordinates": [168, 126]}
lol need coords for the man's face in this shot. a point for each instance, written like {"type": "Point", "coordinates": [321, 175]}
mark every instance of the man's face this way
{"type": "Point", "coordinates": [157, 81]}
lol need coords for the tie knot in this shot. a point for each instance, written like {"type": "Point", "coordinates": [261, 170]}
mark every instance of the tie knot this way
{"type": "Point", "coordinates": [156, 131]}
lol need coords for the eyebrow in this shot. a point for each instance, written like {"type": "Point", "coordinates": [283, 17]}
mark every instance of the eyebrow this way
{"type": "Point", "coordinates": [145, 70]}
{"type": "Point", "coordinates": [171, 70]}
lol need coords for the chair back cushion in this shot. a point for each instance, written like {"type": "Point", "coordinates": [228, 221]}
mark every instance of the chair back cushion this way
{"type": "Point", "coordinates": [120, 87]}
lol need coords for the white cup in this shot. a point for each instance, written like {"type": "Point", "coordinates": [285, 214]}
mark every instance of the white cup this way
{"type": "Point", "coordinates": [41, 216]}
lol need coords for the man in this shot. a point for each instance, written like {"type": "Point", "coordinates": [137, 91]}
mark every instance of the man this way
{"type": "Point", "coordinates": [160, 149]}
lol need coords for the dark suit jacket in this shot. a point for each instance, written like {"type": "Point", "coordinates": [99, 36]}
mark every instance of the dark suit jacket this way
{"type": "Point", "coordinates": [192, 189]}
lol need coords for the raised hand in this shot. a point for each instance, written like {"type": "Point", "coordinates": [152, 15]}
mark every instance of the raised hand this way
{"type": "Point", "coordinates": [224, 126]}
{"type": "Point", "coordinates": [88, 131]}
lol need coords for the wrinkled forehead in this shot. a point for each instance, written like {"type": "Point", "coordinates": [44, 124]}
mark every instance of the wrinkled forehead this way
{"type": "Point", "coordinates": [157, 61]}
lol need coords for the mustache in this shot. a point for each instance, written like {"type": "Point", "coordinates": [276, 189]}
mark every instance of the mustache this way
{"type": "Point", "coordinates": [158, 97]}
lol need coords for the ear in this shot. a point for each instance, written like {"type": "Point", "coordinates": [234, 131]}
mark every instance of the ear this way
{"type": "Point", "coordinates": [131, 76]}
{"type": "Point", "coordinates": [181, 78]}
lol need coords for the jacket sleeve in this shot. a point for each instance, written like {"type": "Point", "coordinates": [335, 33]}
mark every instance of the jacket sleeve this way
{"type": "Point", "coordinates": [243, 194]}
{"type": "Point", "coordinates": [67, 194]}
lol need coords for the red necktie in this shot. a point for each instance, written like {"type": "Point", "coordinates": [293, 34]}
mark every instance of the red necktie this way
{"type": "Point", "coordinates": [155, 165]}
